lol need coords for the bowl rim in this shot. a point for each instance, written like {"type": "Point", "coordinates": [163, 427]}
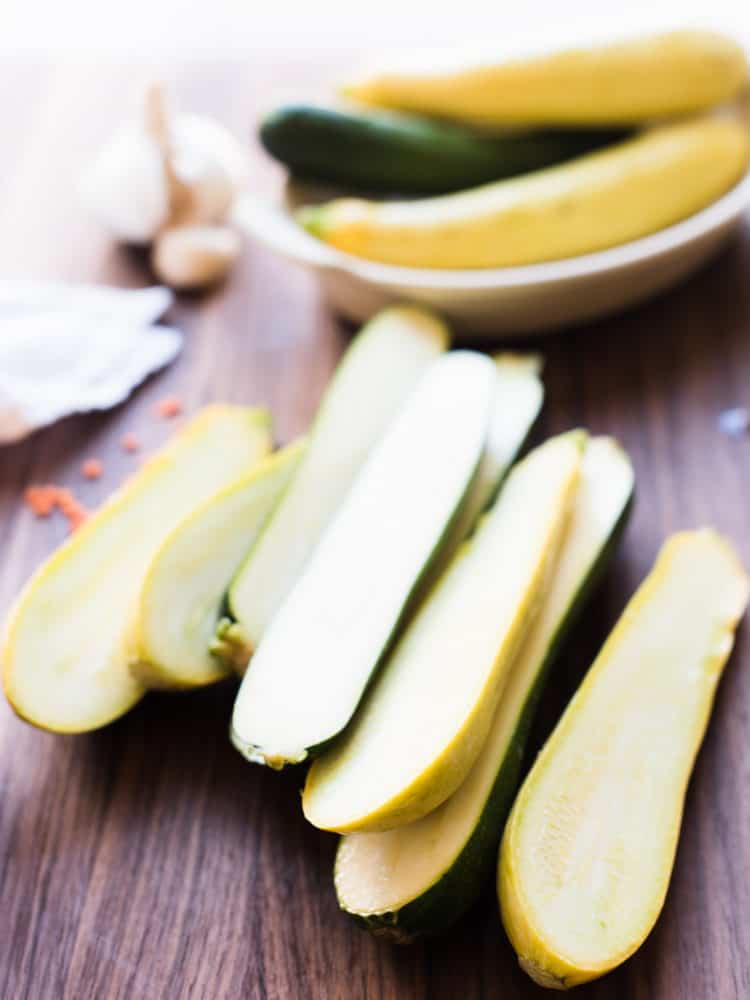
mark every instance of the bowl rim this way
{"type": "Point", "coordinates": [274, 226]}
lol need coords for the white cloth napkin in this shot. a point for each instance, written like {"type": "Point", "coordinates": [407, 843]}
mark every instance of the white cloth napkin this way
{"type": "Point", "coordinates": [71, 348]}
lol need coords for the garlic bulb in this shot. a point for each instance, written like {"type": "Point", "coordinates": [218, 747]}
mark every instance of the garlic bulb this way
{"type": "Point", "coordinates": [164, 169]}
{"type": "Point", "coordinates": [194, 256]}
{"type": "Point", "coordinates": [126, 187]}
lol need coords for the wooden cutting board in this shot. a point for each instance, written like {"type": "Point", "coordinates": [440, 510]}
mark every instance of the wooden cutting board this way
{"type": "Point", "coordinates": [148, 861]}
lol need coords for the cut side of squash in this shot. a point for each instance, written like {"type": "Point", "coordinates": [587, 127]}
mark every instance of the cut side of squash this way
{"type": "Point", "coordinates": [519, 395]}
{"type": "Point", "coordinates": [418, 879]}
{"type": "Point", "coordinates": [429, 713]}
{"type": "Point", "coordinates": [182, 595]}
{"type": "Point", "coordinates": [588, 850]}
{"type": "Point", "coordinates": [376, 376]}
{"type": "Point", "coordinates": [70, 638]}
{"type": "Point", "coordinates": [318, 655]}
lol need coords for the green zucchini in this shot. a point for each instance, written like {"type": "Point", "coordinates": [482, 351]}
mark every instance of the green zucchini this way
{"type": "Point", "coordinates": [519, 394]}
{"type": "Point", "coordinates": [404, 154]}
{"type": "Point", "coordinates": [376, 376]}
{"type": "Point", "coordinates": [332, 631]}
{"type": "Point", "coordinates": [518, 400]}
{"type": "Point", "coordinates": [420, 878]}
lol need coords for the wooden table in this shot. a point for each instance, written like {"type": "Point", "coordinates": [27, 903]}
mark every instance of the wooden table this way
{"type": "Point", "coordinates": [148, 860]}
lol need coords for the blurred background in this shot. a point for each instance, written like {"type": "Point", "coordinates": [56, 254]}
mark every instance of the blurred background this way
{"type": "Point", "coordinates": [70, 73]}
{"type": "Point", "coordinates": [139, 27]}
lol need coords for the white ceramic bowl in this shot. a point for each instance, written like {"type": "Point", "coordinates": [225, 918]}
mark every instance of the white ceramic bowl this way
{"type": "Point", "coordinates": [507, 301]}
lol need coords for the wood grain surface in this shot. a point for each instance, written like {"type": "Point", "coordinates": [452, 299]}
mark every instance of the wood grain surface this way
{"type": "Point", "coordinates": [148, 861]}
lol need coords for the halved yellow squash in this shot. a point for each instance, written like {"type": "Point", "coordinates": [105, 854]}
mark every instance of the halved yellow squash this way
{"type": "Point", "coordinates": [418, 879]}
{"type": "Point", "coordinates": [588, 851]}
{"type": "Point", "coordinates": [181, 599]}
{"type": "Point", "coordinates": [429, 712]}
{"type": "Point", "coordinates": [70, 639]}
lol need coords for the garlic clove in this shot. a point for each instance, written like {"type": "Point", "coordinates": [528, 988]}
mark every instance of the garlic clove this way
{"type": "Point", "coordinates": [195, 256]}
{"type": "Point", "coordinates": [210, 190]}
{"type": "Point", "coordinates": [224, 148]}
{"type": "Point", "coordinates": [210, 161]}
{"type": "Point", "coordinates": [126, 186]}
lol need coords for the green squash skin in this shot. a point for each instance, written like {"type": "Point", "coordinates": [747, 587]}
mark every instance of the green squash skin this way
{"type": "Point", "coordinates": [451, 896]}
{"type": "Point", "coordinates": [394, 153]}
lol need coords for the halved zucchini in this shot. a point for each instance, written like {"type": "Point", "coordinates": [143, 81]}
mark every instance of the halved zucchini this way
{"type": "Point", "coordinates": [519, 394]}
{"type": "Point", "coordinates": [70, 639]}
{"type": "Point", "coordinates": [378, 373]}
{"type": "Point", "coordinates": [419, 879]}
{"type": "Point", "coordinates": [588, 850]}
{"type": "Point", "coordinates": [318, 654]}
{"type": "Point", "coordinates": [429, 713]}
{"type": "Point", "coordinates": [182, 595]}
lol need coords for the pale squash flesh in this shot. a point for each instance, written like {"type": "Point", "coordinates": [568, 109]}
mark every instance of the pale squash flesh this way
{"type": "Point", "coordinates": [418, 879]}
{"type": "Point", "coordinates": [312, 667]}
{"type": "Point", "coordinates": [70, 639]}
{"type": "Point", "coordinates": [588, 850]}
{"type": "Point", "coordinates": [518, 399]}
{"type": "Point", "coordinates": [182, 594]}
{"type": "Point", "coordinates": [429, 712]}
{"type": "Point", "coordinates": [374, 379]}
